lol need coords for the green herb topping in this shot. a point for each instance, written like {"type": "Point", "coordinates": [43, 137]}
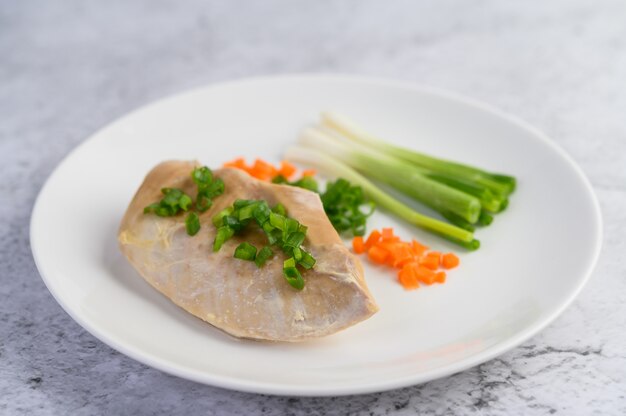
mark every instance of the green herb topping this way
{"type": "Point", "coordinates": [175, 201]}
{"type": "Point", "coordinates": [281, 231]}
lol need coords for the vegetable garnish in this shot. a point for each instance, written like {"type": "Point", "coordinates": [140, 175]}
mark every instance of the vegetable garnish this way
{"type": "Point", "coordinates": [208, 187]}
{"type": "Point", "coordinates": [332, 166]}
{"type": "Point", "coordinates": [192, 223]}
{"type": "Point", "coordinates": [415, 263]}
{"type": "Point", "coordinates": [173, 202]}
{"type": "Point", "coordinates": [176, 201]}
{"type": "Point", "coordinates": [265, 171]}
{"type": "Point", "coordinates": [281, 231]}
{"type": "Point", "coordinates": [245, 251]}
{"type": "Point", "coordinates": [464, 195]}
{"type": "Point", "coordinates": [343, 204]}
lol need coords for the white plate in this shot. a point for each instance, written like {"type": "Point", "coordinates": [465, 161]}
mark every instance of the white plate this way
{"type": "Point", "coordinates": [534, 259]}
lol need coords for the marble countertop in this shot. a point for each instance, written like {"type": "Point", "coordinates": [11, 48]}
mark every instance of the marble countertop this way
{"type": "Point", "coordinates": [68, 68]}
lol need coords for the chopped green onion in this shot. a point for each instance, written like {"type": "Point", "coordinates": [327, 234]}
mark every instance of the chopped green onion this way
{"type": "Point", "coordinates": [263, 255]}
{"type": "Point", "coordinates": [307, 261]}
{"type": "Point", "coordinates": [232, 222]}
{"type": "Point", "coordinates": [295, 240]}
{"type": "Point", "coordinates": [202, 176]}
{"type": "Point", "coordinates": [261, 214]}
{"type": "Point", "coordinates": [208, 187]}
{"type": "Point", "coordinates": [306, 182]}
{"type": "Point", "coordinates": [247, 212]}
{"type": "Point", "coordinates": [173, 202]}
{"type": "Point", "coordinates": [223, 234]}
{"type": "Point", "coordinates": [292, 275]}
{"type": "Point", "coordinates": [240, 203]}
{"type": "Point", "coordinates": [217, 218]}
{"type": "Point", "coordinates": [280, 230]}
{"type": "Point", "coordinates": [245, 251]}
{"type": "Point", "coordinates": [277, 221]}
{"type": "Point", "coordinates": [192, 223]}
{"type": "Point", "coordinates": [279, 209]}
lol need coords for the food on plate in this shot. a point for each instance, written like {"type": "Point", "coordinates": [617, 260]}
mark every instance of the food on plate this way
{"type": "Point", "coordinates": [415, 262]}
{"type": "Point", "coordinates": [344, 203]}
{"type": "Point", "coordinates": [248, 299]}
{"type": "Point", "coordinates": [464, 195]}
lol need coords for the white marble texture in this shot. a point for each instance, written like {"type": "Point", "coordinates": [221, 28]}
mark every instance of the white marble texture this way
{"type": "Point", "coordinates": [67, 68]}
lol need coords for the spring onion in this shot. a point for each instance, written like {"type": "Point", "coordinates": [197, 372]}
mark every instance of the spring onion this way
{"type": "Point", "coordinates": [334, 167]}
{"type": "Point", "coordinates": [499, 184]}
{"type": "Point", "coordinates": [396, 173]}
{"type": "Point", "coordinates": [192, 223]}
{"type": "Point", "coordinates": [282, 231]}
{"type": "Point", "coordinates": [174, 201]}
{"type": "Point", "coordinates": [245, 251]}
{"type": "Point", "coordinates": [263, 256]}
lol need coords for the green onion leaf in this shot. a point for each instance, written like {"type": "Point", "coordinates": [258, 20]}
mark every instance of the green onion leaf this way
{"type": "Point", "coordinates": [263, 255]}
{"type": "Point", "coordinates": [192, 223]}
{"type": "Point", "coordinates": [217, 218]}
{"type": "Point", "coordinates": [223, 234]}
{"type": "Point", "coordinates": [307, 261]}
{"type": "Point", "coordinates": [294, 240]}
{"type": "Point", "coordinates": [245, 251]}
{"type": "Point", "coordinates": [292, 275]}
{"type": "Point", "coordinates": [247, 211]}
{"type": "Point", "coordinates": [280, 209]}
{"type": "Point", "coordinates": [277, 221]}
{"type": "Point", "coordinates": [174, 201]}
{"type": "Point", "coordinates": [202, 176]}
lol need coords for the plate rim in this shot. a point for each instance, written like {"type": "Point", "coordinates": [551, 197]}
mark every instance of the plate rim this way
{"type": "Point", "coordinates": [273, 388]}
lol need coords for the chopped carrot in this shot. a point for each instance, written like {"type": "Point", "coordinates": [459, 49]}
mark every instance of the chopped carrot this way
{"type": "Point", "coordinates": [431, 260]}
{"type": "Point", "coordinates": [401, 255]}
{"type": "Point", "coordinates": [417, 248]}
{"type": "Point", "coordinates": [263, 170]}
{"type": "Point", "coordinates": [387, 234]}
{"type": "Point", "coordinates": [358, 245]}
{"type": "Point", "coordinates": [373, 239]}
{"type": "Point", "coordinates": [286, 169]}
{"type": "Point", "coordinates": [239, 163]}
{"type": "Point", "coordinates": [309, 172]}
{"type": "Point", "coordinates": [408, 278]}
{"type": "Point", "coordinates": [449, 261]}
{"type": "Point", "coordinates": [416, 264]}
{"type": "Point", "coordinates": [424, 275]}
{"type": "Point", "coordinates": [377, 254]}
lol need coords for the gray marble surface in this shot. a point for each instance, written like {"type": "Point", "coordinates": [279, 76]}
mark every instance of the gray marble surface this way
{"type": "Point", "coordinates": [68, 68]}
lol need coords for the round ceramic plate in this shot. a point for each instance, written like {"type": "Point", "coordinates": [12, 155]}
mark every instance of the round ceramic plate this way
{"type": "Point", "coordinates": [534, 260]}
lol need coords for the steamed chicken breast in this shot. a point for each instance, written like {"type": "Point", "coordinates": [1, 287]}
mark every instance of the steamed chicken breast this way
{"type": "Point", "coordinates": [232, 294]}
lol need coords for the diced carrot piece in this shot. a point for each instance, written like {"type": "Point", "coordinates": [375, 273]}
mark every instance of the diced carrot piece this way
{"type": "Point", "coordinates": [424, 275]}
{"type": "Point", "coordinates": [408, 278]}
{"type": "Point", "coordinates": [401, 254]}
{"type": "Point", "coordinates": [449, 261]}
{"type": "Point", "coordinates": [309, 172]}
{"type": "Point", "coordinates": [358, 245]}
{"type": "Point", "coordinates": [418, 248]}
{"type": "Point", "coordinates": [286, 169]}
{"type": "Point", "coordinates": [239, 163]}
{"type": "Point", "coordinates": [388, 245]}
{"type": "Point", "coordinates": [387, 234]}
{"type": "Point", "coordinates": [373, 239]}
{"type": "Point", "coordinates": [263, 170]}
{"type": "Point", "coordinates": [440, 277]}
{"type": "Point", "coordinates": [377, 255]}
{"type": "Point", "coordinates": [431, 262]}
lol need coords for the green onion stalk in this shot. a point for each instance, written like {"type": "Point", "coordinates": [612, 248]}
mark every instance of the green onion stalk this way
{"type": "Point", "coordinates": [500, 185]}
{"type": "Point", "coordinates": [335, 167]}
{"type": "Point", "coordinates": [397, 173]}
